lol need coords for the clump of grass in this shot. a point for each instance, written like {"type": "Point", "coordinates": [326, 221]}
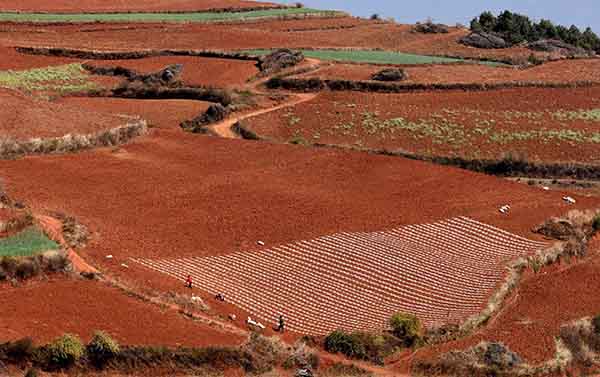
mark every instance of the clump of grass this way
{"type": "Point", "coordinates": [66, 350]}
{"type": "Point", "coordinates": [102, 348]}
{"type": "Point", "coordinates": [28, 242]}
{"type": "Point", "coordinates": [62, 79]}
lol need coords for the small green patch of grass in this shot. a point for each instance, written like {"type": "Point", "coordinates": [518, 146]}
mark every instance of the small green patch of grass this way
{"type": "Point", "coordinates": [375, 57]}
{"type": "Point", "coordinates": [30, 241]}
{"type": "Point", "coordinates": [163, 17]}
{"type": "Point", "coordinates": [62, 79]}
{"type": "Point", "coordinates": [368, 56]}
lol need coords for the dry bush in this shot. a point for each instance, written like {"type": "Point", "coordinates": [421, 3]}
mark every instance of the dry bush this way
{"type": "Point", "coordinates": [345, 370]}
{"type": "Point", "coordinates": [482, 360]}
{"type": "Point", "coordinates": [73, 143]}
{"type": "Point", "coordinates": [215, 113]}
{"type": "Point", "coordinates": [23, 268]}
{"type": "Point", "coordinates": [75, 234]}
{"type": "Point", "coordinates": [582, 339]}
{"type": "Point", "coordinates": [263, 354]}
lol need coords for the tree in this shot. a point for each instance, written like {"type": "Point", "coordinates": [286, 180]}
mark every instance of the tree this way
{"type": "Point", "coordinates": [488, 21]}
{"type": "Point", "coordinates": [546, 30]}
{"type": "Point", "coordinates": [406, 327]}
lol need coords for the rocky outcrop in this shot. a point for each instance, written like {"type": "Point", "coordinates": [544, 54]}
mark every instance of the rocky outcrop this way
{"type": "Point", "coordinates": [278, 60]}
{"type": "Point", "coordinates": [431, 28]}
{"type": "Point", "coordinates": [484, 40]}
{"type": "Point", "coordinates": [557, 46]}
{"type": "Point", "coordinates": [214, 113]}
{"type": "Point", "coordinates": [390, 74]}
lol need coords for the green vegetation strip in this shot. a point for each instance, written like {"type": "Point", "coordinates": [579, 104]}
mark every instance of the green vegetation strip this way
{"type": "Point", "coordinates": [63, 79]}
{"type": "Point", "coordinates": [30, 241]}
{"type": "Point", "coordinates": [368, 56]}
{"type": "Point", "coordinates": [163, 17]}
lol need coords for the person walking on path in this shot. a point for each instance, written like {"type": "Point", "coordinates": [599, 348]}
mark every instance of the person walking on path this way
{"type": "Point", "coordinates": [188, 281]}
{"type": "Point", "coordinates": [281, 326]}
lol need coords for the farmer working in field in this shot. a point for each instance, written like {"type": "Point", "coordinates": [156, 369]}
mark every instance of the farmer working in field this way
{"type": "Point", "coordinates": [281, 326]}
{"type": "Point", "coordinates": [188, 281]}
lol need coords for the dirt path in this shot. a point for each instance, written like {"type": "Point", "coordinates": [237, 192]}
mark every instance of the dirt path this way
{"type": "Point", "coordinates": [223, 128]}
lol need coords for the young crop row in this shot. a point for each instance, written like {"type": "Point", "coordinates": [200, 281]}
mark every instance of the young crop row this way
{"type": "Point", "coordinates": [440, 272]}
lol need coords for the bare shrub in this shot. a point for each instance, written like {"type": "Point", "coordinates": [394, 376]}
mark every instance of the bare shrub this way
{"type": "Point", "coordinates": [18, 351]}
{"type": "Point", "coordinates": [484, 359]}
{"type": "Point", "coordinates": [263, 354]}
{"type": "Point", "coordinates": [344, 370]}
{"type": "Point", "coordinates": [75, 234]}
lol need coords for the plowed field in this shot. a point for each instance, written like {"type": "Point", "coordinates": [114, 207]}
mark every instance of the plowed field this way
{"type": "Point", "coordinates": [440, 272]}
{"type": "Point", "coordinates": [16, 61]}
{"type": "Point", "coordinates": [196, 70]}
{"type": "Point", "coordinates": [210, 190]}
{"type": "Point", "coordinates": [158, 113]}
{"type": "Point", "coordinates": [544, 302]}
{"type": "Point", "coordinates": [256, 35]}
{"type": "Point", "coordinates": [44, 311]}
{"type": "Point", "coordinates": [24, 118]}
{"type": "Point", "coordinates": [542, 124]}
{"type": "Point", "coordinates": [75, 6]}
{"type": "Point", "coordinates": [554, 72]}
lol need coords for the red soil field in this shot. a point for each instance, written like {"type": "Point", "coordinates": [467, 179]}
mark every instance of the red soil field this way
{"type": "Point", "coordinates": [553, 72]}
{"type": "Point", "coordinates": [196, 70]}
{"type": "Point", "coordinates": [75, 6]}
{"type": "Point", "coordinates": [11, 59]}
{"type": "Point", "coordinates": [45, 310]}
{"type": "Point", "coordinates": [543, 302]}
{"type": "Point", "coordinates": [265, 34]}
{"type": "Point", "coordinates": [469, 124]}
{"type": "Point", "coordinates": [158, 113]}
{"type": "Point", "coordinates": [357, 281]}
{"type": "Point", "coordinates": [210, 190]}
{"type": "Point", "coordinates": [310, 24]}
{"type": "Point", "coordinates": [24, 118]}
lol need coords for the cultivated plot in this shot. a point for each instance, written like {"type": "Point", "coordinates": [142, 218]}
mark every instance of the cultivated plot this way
{"type": "Point", "coordinates": [161, 17]}
{"type": "Point", "coordinates": [443, 271]}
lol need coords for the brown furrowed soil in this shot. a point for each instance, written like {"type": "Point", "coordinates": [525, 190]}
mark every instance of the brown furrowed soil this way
{"type": "Point", "coordinates": [45, 310]}
{"type": "Point", "coordinates": [543, 302]}
{"type": "Point", "coordinates": [264, 34]}
{"type": "Point", "coordinates": [24, 118]}
{"type": "Point", "coordinates": [75, 6]}
{"type": "Point", "coordinates": [563, 71]}
{"type": "Point", "coordinates": [158, 113]}
{"type": "Point", "coordinates": [541, 124]}
{"type": "Point", "coordinates": [196, 70]}
{"type": "Point", "coordinates": [11, 59]}
{"type": "Point", "coordinates": [174, 194]}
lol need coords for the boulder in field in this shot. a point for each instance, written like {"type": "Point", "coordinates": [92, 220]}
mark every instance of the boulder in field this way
{"type": "Point", "coordinates": [278, 60]}
{"type": "Point", "coordinates": [390, 74]}
{"type": "Point", "coordinates": [431, 28]}
{"type": "Point", "coordinates": [484, 40]}
{"type": "Point", "coordinates": [556, 46]}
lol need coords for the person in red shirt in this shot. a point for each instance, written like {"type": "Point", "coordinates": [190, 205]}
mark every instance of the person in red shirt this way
{"type": "Point", "coordinates": [188, 281]}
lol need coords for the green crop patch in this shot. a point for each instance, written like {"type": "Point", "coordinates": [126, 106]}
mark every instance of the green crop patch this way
{"type": "Point", "coordinates": [30, 241]}
{"type": "Point", "coordinates": [165, 17]}
{"type": "Point", "coordinates": [61, 79]}
{"type": "Point", "coordinates": [374, 57]}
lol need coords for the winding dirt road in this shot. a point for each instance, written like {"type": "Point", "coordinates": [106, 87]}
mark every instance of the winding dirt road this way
{"type": "Point", "coordinates": [223, 128]}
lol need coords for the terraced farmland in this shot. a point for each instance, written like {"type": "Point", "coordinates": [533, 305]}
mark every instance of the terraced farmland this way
{"type": "Point", "coordinates": [354, 281]}
{"type": "Point", "coordinates": [163, 17]}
